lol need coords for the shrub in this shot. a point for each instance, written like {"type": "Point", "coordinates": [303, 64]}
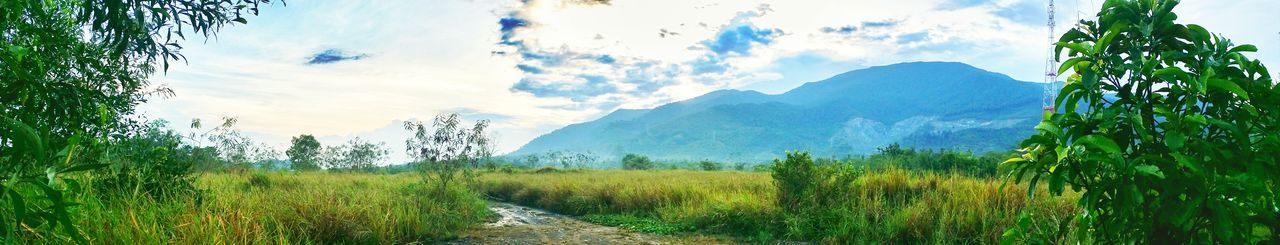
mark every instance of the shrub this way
{"type": "Point", "coordinates": [259, 180]}
{"type": "Point", "coordinates": [636, 162]}
{"type": "Point", "coordinates": [808, 194]}
{"type": "Point", "coordinates": [152, 162]}
{"type": "Point", "coordinates": [708, 165]}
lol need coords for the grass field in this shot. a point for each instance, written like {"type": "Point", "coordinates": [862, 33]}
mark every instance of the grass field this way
{"type": "Point", "coordinates": [286, 208]}
{"type": "Point", "coordinates": [888, 206]}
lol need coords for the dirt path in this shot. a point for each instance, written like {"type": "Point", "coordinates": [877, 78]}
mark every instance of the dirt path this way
{"type": "Point", "coordinates": [522, 225]}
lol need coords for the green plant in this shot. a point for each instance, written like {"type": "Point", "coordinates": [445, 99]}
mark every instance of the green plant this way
{"type": "Point", "coordinates": [809, 194]}
{"type": "Point", "coordinates": [445, 150]}
{"type": "Point", "coordinates": [638, 223]}
{"type": "Point", "coordinates": [153, 161]}
{"type": "Point", "coordinates": [1171, 132]}
{"type": "Point", "coordinates": [304, 153]}
{"type": "Point", "coordinates": [636, 162]}
{"type": "Point", "coordinates": [356, 155]}
{"type": "Point", "coordinates": [708, 165]}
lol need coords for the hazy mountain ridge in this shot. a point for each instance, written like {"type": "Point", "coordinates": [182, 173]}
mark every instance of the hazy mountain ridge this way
{"type": "Point", "coordinates": [920, 104]}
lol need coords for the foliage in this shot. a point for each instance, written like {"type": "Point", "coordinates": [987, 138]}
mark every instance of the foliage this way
{"type": "Point", "coordinates": [637, 223]}
{"type": "Point", "coordinates": [636, 162]}
{"type": "Point", "coordinates": [564, 159]}
{"type": "Point", "coordinates": [1171, 132]}
{"type": "Point", "coordinates": [808, 193]}
{"type": "Point", "coordinates": [356, 155]}
{"type": "Point", "coordinates": [153, 161]}
{"type": "Point", "coordinates": [304, 153]}
{"type": "Point", "coordinates": [941, 161]}
{"type": "Point", "coordinates": [238, 152]}
{"type": "Point", "coordinates": [72, 73]}
{"type": "Point", "coordinates": [708, 165]}
{"type": "Point", "coordinates": [445, 150]}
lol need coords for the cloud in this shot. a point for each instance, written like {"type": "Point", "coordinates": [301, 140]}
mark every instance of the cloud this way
{"type": "Point", "coordinates": [604, 78]}
{"type": "Point", "coordinates": [960, 4]}
{"type": "Point", "coordinates": [329, 56]}
{"type": "Point", "coordinates": [912, 37]}
{"type": "Point", "coordinates": [529, 69]}
{"type": "Point", "coordinates": [1028, 12]}
{"type": "Point", "coordinates": [739, 39]}
{"type": "Point", "coordinates": [880, 24]}
{"type": "Point", "coordinates": [848, 29]}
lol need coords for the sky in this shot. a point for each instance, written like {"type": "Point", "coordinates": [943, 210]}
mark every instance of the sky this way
{"type": "Point", "coordinates": [339, 69]}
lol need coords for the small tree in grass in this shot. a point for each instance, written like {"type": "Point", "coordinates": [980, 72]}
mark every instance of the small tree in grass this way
{"type": "Point", "coordinates": [446, 150]}
{"type": "Point", "coordinates": [1170, 132]}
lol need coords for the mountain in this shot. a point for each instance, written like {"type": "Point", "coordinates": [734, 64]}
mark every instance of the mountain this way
{"type": "Point", "coordinates": [921, 104]}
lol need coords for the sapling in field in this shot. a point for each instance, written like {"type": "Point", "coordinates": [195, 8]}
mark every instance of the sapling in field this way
{"type": "Point", "coordinates": [446, 150]}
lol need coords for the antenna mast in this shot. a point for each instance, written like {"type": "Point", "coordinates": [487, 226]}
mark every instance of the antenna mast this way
{"type": "Point", "coordinates": [1050, 68]}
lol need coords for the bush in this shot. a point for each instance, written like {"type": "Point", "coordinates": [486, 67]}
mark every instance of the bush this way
{"type": "Point", "coordinates": [259, 180]}
{"type": "Point", "coordinates": [636, 162]}
{"type": "Point", "coordinates": [809, 195]}
{"type": "Point", "coordinates": [152, 162]}
{"type": "Point", "coordinates": [708, 165]}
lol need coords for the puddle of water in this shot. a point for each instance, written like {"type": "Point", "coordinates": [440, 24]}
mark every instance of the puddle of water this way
{"type": "Point", "coordinates": [511, 215]}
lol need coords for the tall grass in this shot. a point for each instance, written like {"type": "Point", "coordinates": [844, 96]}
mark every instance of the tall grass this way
{"type": "Point", "coordinates": [286, 208]}
{"type": "Point", "coordinates": [883, 206]}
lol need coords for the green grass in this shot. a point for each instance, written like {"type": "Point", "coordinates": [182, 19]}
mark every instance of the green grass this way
{"type": "Point", "coordinates": [639, 223]}
{"type": "Point", "coordinates": [885, 206]}
{"type": "Point", "coordinates": [285, 208]}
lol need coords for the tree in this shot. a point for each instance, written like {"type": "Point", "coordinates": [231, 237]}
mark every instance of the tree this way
{"type": "Point", "coordinates": [445, 150]}
{"type": "Point", "coordinates": [72, 73]}
{"type": "Point", "coordinates": [356, 155]}
{"type": "Point", "coordinates": [708, 165]}
{"type": "Point", "coordinates": [304, 153]}
{"type": "Point", "coordinates": [636, 162]}
{"type": "Point", "coordinates": [1171, 133]}
{"type": "Point", "coordinates": [237, 151]}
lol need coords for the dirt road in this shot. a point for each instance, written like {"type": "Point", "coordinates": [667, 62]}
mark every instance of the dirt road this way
{"type": "Point", "coordinates": [522, 225]}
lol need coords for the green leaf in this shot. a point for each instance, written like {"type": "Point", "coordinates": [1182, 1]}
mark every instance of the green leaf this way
{"type": "Point", "coordinates": [1200, 120]}
{"type": "Point", "coordinates": [1190, 163]}
{"type": "Point", "coordinates": [1099, 142]}
{"type": "Point", "coordinates": [1056, 183]}
{"type": "Point", "coordinates": [24, 137]}
{"type": "Point", "coordinates": [1150, 170]}
{"type": "Point", "coordinates": [19, 206]}
{"type": "Point", "coordinates": [1135, 195]}
{"type": "Point", "coordinates": [1228, 86]}
{"type": "Point", "coordinates": [1175, 140]}
{"type": "Point", "coordinates": [1071, 63]}
{"type": "Point", "coordinates": [1111, 33]}
{"type": "Point", "coordinates": [59, 209]}
{"type": "Point", "coordinates": [1244, 48]}
{"type": "Point", "coordinates": [1082, 48]}
{"type": "Point", "coordinates": [1049, 128]}
{"type": "Point", "coordinates": [1171, 74]}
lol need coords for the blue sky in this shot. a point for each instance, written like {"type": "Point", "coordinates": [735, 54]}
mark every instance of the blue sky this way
{"type": "Point", "coordinates": [340, 69]}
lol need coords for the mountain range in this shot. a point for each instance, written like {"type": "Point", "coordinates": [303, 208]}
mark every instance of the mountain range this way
{"type": "Point", "coordinates": [935, 105]}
